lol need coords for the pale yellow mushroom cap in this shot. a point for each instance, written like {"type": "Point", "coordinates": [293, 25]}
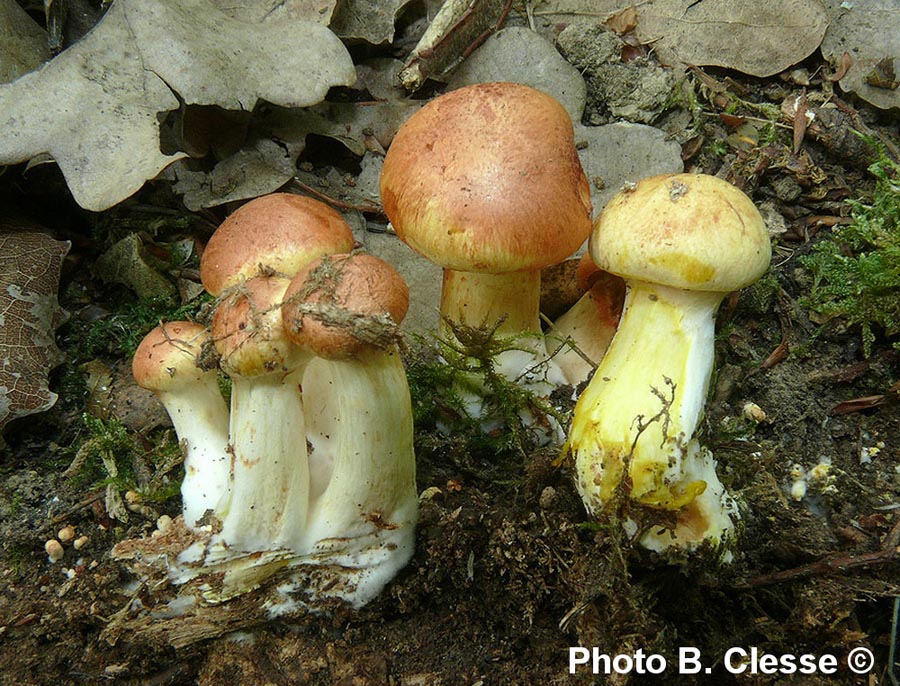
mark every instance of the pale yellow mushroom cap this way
{"type": "Point", "coordinates": [689, 231]}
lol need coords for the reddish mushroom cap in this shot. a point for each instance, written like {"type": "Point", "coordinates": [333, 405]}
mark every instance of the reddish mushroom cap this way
{"type": "Point", "coordinates": [607, 291]}
{"type": "Point", "coordinates": [167, 357]}
{"type": "Point", "coordinates": [247, 329]}
{"type": "Point", "coordinates": [586, 272]}
{"type": "Point", "coordinates": [487, 178]}
{"type": "Point", "coordinates": [281, 232]}
{"type": "Point", "coordinates": [336, 305]}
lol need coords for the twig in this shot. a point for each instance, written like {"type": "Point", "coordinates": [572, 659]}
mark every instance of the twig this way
{"type": "Point", "coordinates": [830, 565]}
{"type": "Point", "coordinates": [58, 519]}
{"type": "Point", "coordinates": [369, 207]}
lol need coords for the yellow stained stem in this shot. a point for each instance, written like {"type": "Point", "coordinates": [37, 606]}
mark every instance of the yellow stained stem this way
{"type": "Point", "coordinates": [644, 402]}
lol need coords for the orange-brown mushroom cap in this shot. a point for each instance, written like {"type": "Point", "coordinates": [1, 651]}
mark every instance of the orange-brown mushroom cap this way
{"type": "Point", "coordinates": [280, 231]}
{"type": "Point", "coordinates": [167, 357]}
{"type": "Point", "coordinates": [248, 332]}
{"type": "Point", "coordinates": [487, 178]}
{"type": "Point", "coordinates": [340, 304]}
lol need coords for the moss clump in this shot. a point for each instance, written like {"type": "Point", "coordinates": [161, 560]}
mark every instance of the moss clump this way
{"type": "Point", "coordinates": [108, 454]}
{"type": "Point", "coordinates": [120, 333]}
{"type": "Point", "coordinates": [857, 270]}
{"type": "Point", "coordinates": [443, 373]}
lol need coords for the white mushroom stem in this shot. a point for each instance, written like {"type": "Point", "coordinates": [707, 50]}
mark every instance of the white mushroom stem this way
{"type": "Point", "coordinates": [364, 518]}
{"type": "Point", "coordinates": [166, 363]}
{"type": "Point", "coordinates": [267, 498]}
{"type": "Point", "coordinates": [589, 325]}
{"type": "Point", "coordinates": [645, 401]}
{"type": "Point", "coordinates": [268, 494]}
{"type": "Point", "coordinates": [200, 417]}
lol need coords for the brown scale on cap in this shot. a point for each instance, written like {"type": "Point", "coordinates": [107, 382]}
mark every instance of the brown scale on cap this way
{"type": "Point", "coordinates": [341, 304]}
{"type": "Point", "coordinates": [487, 178]}
{"type": "Point", "coordinates": [167, 357]}
{"type": "Point", "coordinates": [280, 232]}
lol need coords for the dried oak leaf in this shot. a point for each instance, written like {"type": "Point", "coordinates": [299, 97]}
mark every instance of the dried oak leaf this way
{"type": "Point", "coordinates": [30, 265]}
{"type": "Point", "coordinates": [96, 107]}
{"type": "Point", "coordinates": [757, 38]}
{"type": "Point", "coordinates": [24, 44]}
{"type": "Point", "coordinates": [369, 20]}
{"type": "Point", "coordinates": [760, 38]}
{"type": "Point", "coordinates": [869, 32]}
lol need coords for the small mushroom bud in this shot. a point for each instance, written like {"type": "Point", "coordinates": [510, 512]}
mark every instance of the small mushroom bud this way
{"type": "Point", "coordinates": [66, 534]}
{"type": "Point", "coordinates": [163, 523]}
{"type": "Point", "coordinates": [80, 542]}
{"type": "Point", "coordinates": [54, 549]}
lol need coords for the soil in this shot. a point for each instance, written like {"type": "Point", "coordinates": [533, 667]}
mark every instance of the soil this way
{"type": "Point", "coordinates": [509, 572]}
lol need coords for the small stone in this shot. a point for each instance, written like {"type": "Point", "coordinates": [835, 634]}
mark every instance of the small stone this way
{"type": "Point", "coordinates": [753, 412]}
{"type": "Point", "coordinates": [548, 497]}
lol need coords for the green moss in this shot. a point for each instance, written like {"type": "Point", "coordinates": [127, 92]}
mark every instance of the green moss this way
{"type": "Point", "coordinates": [108, 453]}
{"type": "Point", "coordinates": [442, 373]}
{"type": "Point", "coordinates": [760, 297]}
{"type": "Point", "coordinates": [120, 333]}
{"type": "Point", "coordinates": [857, 268]}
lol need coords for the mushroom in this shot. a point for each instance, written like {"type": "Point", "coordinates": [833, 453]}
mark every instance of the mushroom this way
{"type": "Point", "coordinates": [485, 181]}
{"type": "Point", "coordinates": [166, 362]}
{"type": "Point", "coordinates": [275, 233]}
{"type": "Point", "coordinates": [267, 495]}
{"type": "Point", "coordinates": [360, 531]}
{"type": "Point", "coordinates": [248, 263]}
{"type": "Point", "coordinates": [681, 242]}
{"type": "Point", "coordinates": [584, 332]}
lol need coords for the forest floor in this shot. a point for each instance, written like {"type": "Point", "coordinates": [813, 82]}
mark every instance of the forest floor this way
{"type": "Point", "coordinates": [509, 572]}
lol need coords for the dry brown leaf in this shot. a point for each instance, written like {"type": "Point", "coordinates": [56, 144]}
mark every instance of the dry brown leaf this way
{"type": "Point", "coordinates": [30, 264]}
{"type": "Point", "coordinates": [96, 107]}
{"type": "Point", "coordinates": [762, 37]}
{"type": "Point", "coordinates": [318, 11]}
{"type": "Point", "coordinates": [758, 38]}
{"type": "Point", "coordinates": [843, 67]}
{"type": "Point", "coordinates": [870, 32]}
{"type": "Point", "coordinates": [368, 20]}
{"type": "Point", "coordinates": [24, 44]}
{"type": "Point", "coordinates": [623, 21]}
{"type": "Point", "coordinates": [267, 160]}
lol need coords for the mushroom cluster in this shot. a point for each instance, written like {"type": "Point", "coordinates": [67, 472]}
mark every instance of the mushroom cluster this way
{"type": "Point", "coordinates": [681, 242]}
{"type": "Point", "coordinates": [311, 470]}
{"type": "Point", "coordinates": [310, 474]}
